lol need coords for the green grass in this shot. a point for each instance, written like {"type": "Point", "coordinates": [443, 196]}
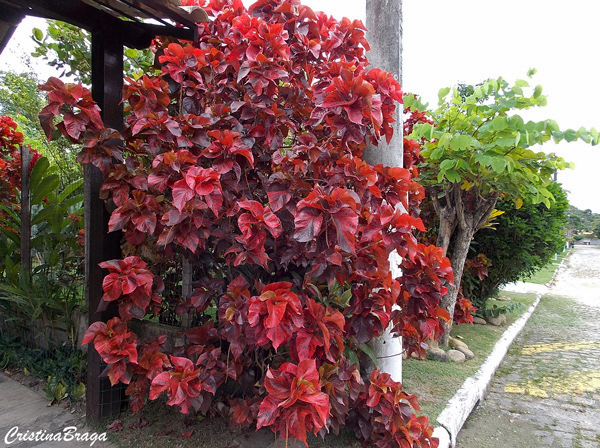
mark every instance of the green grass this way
{"type": "Point", "coordinates": [436, 382]}
{"type": "Point", "coordinates": [544, 275]}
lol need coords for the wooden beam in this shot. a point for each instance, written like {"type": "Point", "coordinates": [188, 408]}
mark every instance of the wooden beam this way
{"type": "Point", "coordinates": [9, 21]}
{"type": "Point", "coordinates": [135, 35]}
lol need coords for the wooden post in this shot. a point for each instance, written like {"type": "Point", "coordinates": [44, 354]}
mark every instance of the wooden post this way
{"type": "Point", "coordinates": [384, 22]}
{"type": "Point", "coordinates": [186, 287]}
{"type": "Point", "coordinates": [107, 80]}
{"type": "Point", "coordinates": [25, 209]}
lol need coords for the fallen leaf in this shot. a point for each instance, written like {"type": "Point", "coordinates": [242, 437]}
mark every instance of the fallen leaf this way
{"type": "Point", "coordinates": [187, 434]}
{"type": "Point", "coordinates": [117, 425]}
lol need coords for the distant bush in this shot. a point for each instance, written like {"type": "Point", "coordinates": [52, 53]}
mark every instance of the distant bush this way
{"type": "Point", "coordinates": [524, 241]}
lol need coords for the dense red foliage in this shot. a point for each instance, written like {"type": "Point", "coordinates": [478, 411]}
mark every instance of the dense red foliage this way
{"type": "Point", "coordinates": [245, 153]}
{"type": "Point", "coordinates": [10, 161]}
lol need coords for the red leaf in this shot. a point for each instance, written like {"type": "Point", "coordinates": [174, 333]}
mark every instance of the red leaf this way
{"type": "Point", "coordinates": [187, 434]}
{"type": "Point", "coordinates": [115, 426]}
{"type": "Point", "coordinates": [92, 331]}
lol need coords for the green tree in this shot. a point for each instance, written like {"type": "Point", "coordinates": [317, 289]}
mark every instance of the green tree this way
{"type": "Point", "coordinates": [581, 221]}
{"type": "Point", "coordinates": [21, 99]}
{"type": "Point", "coordinates": [68, 48]}
{"type": "Point", "coordinates": [480, 148]}
{"type": "Point", "coordinates": [521, 241]}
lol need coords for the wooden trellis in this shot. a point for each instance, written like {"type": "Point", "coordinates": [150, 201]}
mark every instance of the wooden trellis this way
{"type": "Point", "coordinates": [113, 24]}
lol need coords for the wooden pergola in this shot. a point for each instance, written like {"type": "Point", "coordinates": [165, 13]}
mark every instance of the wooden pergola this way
{"type": "Point", "coordinates": [113, 24]}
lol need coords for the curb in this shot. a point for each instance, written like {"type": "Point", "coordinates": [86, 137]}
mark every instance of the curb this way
{"type": "Point", "coordinates": [459, 407]}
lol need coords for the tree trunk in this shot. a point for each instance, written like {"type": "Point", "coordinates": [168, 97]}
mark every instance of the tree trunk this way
{"type": "Point", "coordinates": [469, 217]}
{"type": "Point", "coordinates": [460, 250]}
{"type": "Point", "coordinates": [447, 216]}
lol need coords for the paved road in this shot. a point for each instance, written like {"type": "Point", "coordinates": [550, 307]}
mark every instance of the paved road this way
{"type": "Point", "coordinates": [547, 390]}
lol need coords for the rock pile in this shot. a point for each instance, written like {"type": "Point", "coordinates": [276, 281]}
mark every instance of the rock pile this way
{"type": "Point", "coordinates": [459, 351]}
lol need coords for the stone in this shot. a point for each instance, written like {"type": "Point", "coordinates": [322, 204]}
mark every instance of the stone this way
{"type": "Point", "coordinates": [479, 321]}
{"type": "Point", "coordinates": [438, 354]}
{"type": "Point", "coordinates": [503, 319]}
{"type": "Point", "coordinates": [504, 299]}
{"type": "Point", "coordinates": [431, 343]}
{"type": "Point", "coordinates": [456, 356]}
{"type": "Point", "coordinates": [455, 343]}
{"type": "Point", "coordinates": [465, 351]}
{"type": "Point", "coordinates": [496, 321]}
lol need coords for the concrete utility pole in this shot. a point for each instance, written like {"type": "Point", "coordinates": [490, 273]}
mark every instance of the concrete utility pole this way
{"type": "Point", "coordinates": [384, 22]}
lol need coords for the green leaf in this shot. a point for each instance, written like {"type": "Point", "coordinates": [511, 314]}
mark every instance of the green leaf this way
{"type": "Point", "coordinates": [570, 135]}
{"type": "Point", "coordinates": [552, 125]}
{"type": "Point", "coordinates": [498, 165]}
{"type": "Point", "coordinates": [499, 123]}
{"type": "Point", "coordinates": [352, 357]}
{"type": "Point", "coordinates": [452, 176]}
{"type": "Point", "coordinates": [69, 189]}
{"type": "Point", "coordinates": [583, 134]}
{"type": "Point", "coordinates": [447, 164]}
{"type": "Point", "coordinates": [557, 136]}
{"type": "Point", "coordinates": [459, 142]}
{"type": "Point", "coordinates": [78, 391]}
{"type": "Point", "coordinates": [11, 236]}
{"type": "Point", "coordinates": [521, 83]}
{"type": "Point", "coordinates": [73, 201]}
{"type": "Point", "coordinates": [38, 171]}
{"type": "Point", "coordinates": [45, 187]}
{"type": "Point", "coordinates": [483, 159]}
{"type": "Point", "coordinates": [131, 52]}
{"type": "Point", "coordinates": [37, 33]}
{"type": "Point", "coordinates": [444, 141]}
{"type": "Point", "coordinates": [538, 91]}
{"type": "Point", "coordinates": [507, 103]}
{"type": "Point", "coordinates": [594, 134]}
{"type": "Point", "coordinates": [436, 153]}
{"type": "Point", "coordinates": [442, 94]}
{"type": "Point", "coordinates": [44, 215]}
{"type": "Point", "coordinates": [367, 350]}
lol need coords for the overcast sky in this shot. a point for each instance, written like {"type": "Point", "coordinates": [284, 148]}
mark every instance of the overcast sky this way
{"type": "Point", "coordinates": [446, 42]}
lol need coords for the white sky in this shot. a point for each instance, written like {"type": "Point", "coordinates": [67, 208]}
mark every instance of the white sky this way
{"type": "Point", "coordinates": [445, 42]}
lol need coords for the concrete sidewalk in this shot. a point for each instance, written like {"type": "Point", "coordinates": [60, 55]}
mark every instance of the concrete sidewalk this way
{"type": "Point", "coordinates": [27, 421]}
